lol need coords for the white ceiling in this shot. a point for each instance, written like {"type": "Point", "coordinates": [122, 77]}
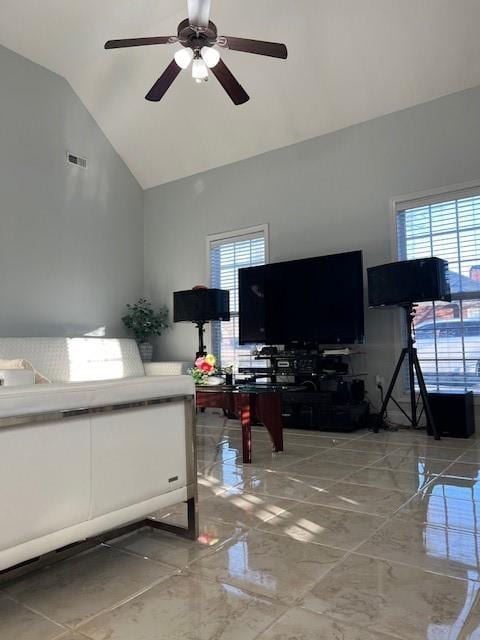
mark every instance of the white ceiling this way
{"type": "Point", "coordinates": [349, 61]}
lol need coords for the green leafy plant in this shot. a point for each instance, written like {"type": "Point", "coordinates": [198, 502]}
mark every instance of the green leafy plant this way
{"type": "Point", "coordinates": [143, 321]}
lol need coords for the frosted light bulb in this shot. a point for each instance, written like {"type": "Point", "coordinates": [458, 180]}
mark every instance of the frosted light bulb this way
{"type": "Point", "coordinates": [199, 70]}
{"type": "Point", "coordinates": [211, 56]}
{"type": "Point", "coordinates": [183, 57]}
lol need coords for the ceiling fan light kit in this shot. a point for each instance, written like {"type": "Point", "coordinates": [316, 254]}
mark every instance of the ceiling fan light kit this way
{"type": "Point", "coordinates": [210, 55]}
{"type": "Point", "coordinates": [183, 58]}
{"type": "Point", "coordinates": [199, 68]}
{"type": "Point", "coordinates": [198, 36]}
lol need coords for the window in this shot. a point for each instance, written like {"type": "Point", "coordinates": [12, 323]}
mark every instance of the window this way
{"type": "Point", "coordinates": [227, 254]}
{"type": "Point", "coordinates": [447, 333]}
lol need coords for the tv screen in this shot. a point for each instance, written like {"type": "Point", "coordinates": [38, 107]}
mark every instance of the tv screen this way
{"type": "Point", "coordinates": [314, 300]}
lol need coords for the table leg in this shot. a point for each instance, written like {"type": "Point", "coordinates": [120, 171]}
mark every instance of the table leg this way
{"type": "Point", "coordinates": [269, 411]}
{"type": "Point", "coordinates": [243, 409]}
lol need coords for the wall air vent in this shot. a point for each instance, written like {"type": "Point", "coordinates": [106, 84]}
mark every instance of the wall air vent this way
{"type": "Point", "coordinates": [76, 160]}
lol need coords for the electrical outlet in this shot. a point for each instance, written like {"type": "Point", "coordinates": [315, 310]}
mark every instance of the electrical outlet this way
{"type": "Point", "coordinates": [379, 380]}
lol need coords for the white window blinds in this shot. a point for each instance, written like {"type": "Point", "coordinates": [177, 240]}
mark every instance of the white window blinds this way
{"type": "Point", "coordinates": [448, 334]}
{"type": "Point", "coordinates": [227, 255]}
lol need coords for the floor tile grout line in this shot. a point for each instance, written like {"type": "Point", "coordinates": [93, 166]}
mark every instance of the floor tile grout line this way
{"type": "Point", "coordinates": [345, 478]}
{"type": "Point", "coordinates": [228, 461]}
{"type": "Point", "coordinates": [134, 554]}
{"type": "Point", "coordinates": [356, 552]}
{"type": "Point", "coordinates": [209, 551]}
{"type": "Point", "coordinates": [357, 469]}
{"type": "Point", "coordinates": [80, 634]}
{"type": "Point", "coordinates": [277, 534]}
{"type": "Point", "coordinates": [246, 589]}
{"type": "Point", "coordinates": [387, 635]}
{"type": "Point", "coordinates": [337, 508]}
{"type": "Point", "coordinates": [347, 553]}
{"type": "Point", "coordinates": [67, 627]}
{"type": "Point", "coordinates": [324, 450]}
{"type": "Point", "coordinates": [126, 600]}
{"type": "Point", "coordinates": [39, 613]}
{"type": "Point", "coordinates": [406, 432]}
{"type": "Point", "coordinates": [257, 596]}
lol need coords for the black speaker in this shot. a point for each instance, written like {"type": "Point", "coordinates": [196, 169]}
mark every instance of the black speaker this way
{"type": "Point", "coordinates": [358, 390]}
{"type": "Point", "coordinates": [400, 283]}
{"type": "Point", "coordinates": [201, 305]}
{"type": "Point", "coordinates": [453, 414]}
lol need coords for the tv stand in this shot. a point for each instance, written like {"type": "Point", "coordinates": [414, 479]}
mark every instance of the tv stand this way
{"type": "Point", "coordinates": [333, 397]}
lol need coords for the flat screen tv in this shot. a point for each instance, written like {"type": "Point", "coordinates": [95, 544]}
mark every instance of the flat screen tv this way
{"type": "Point", "coordinates": [314, 300]}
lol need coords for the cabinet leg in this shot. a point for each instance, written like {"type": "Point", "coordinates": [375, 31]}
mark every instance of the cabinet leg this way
{"type": "Point", "coordinates": [244, 411]}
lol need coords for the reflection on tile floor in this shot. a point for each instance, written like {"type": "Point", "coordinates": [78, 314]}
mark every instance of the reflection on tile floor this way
{"type": "Point", "coordinates": [356, 536]}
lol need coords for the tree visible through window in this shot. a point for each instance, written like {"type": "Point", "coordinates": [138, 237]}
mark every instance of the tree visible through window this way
{"type": "Point", "coordinates": [448, 333]}
{"type": "Point", "coordinates": [227, 255]}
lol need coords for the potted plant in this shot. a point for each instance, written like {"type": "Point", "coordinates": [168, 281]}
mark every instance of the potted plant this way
{"type": "Point", "coordinates": [144, 322]}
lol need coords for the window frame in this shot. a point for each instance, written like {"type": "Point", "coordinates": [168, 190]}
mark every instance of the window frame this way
{"type": "Point", "coordinates": [410, 201]}
{"type": "Point", "coordinates": [261, 229]}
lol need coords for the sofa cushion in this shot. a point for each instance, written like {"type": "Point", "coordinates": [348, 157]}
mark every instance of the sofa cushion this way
{"type": "Point", "coordinates": [77, 359]}
{"type": "Point", "coordinates": [16, 377]}
{"type": "Point", "coordinates": [16, 402]}
{"type": "Point", "coordinates": [171, 368]}
{"type": "Point", "coordinates": [20, 364]}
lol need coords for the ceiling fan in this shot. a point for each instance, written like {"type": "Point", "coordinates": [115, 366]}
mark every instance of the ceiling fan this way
{"type": "Point", "coordinates": [198, 37]}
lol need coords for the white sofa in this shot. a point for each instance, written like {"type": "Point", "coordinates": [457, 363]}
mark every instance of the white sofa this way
{"type": "Point", "coordinates": [106, 443]}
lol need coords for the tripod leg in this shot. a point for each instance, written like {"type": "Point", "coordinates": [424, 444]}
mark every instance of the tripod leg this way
{"type": "Point", "coordinates": [391, 387]}
{"type": "Point", "coordinates": [411, 382]}
{"type": "Point", "coordinates": [424, 395]}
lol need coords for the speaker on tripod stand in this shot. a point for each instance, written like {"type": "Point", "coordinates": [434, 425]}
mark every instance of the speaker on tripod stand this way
{"type": "Point", "coordinates": [402, 284]}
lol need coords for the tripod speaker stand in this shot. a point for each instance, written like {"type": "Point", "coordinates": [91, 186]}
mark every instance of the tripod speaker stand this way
{"type": "Point", "coordinates": [409, 354]}
{"type": "Point", "coordinates": [202, 351]}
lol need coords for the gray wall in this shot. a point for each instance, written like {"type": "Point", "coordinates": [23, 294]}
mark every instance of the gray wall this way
{"type": "Point", "coordinates": [71, 241]}
{"type": "Point", "coordinates": [325, 195]}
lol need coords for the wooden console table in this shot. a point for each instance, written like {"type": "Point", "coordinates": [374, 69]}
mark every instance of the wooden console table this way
{"type": "Point", "coordinates": [249, 404]}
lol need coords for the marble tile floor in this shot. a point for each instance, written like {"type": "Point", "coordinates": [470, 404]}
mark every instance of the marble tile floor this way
{"type": "Point", "coordinates": [355, 536]}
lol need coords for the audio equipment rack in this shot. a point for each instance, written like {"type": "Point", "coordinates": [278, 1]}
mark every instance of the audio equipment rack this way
{"type": "Point", "coordinates": [334, 396]}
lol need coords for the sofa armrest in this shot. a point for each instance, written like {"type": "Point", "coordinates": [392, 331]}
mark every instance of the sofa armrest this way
{"type": "Point", "coordinates": [166, 368]}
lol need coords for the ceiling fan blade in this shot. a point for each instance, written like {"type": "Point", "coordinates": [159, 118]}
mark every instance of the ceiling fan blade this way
{"type": "Point", "coordinates": [228, 81]}
{"type": "Point", "coordinates": [199, 12]}
{"type": "Point", "coordinates": [260, 47]}
{"type": "Point", "coordinates": [162, 85]}
{"type": "Point", "coordinates": [139, 42]}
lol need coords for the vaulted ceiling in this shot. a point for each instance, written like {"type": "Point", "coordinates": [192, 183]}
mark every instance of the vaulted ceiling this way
{"type": "Point", "coordinates": [349, 61]}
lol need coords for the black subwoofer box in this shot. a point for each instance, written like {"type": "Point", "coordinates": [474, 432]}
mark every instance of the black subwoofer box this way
{"type": "Point", "coordinates": [453, 414]}
{"type": "Point", "coordinates": [400, 283]}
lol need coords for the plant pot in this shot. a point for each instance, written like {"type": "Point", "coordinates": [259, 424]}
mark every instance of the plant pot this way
{"type": "Point", "coordinates": [146, 351]}
{"type": "Point", "coordinates": [214, 380]}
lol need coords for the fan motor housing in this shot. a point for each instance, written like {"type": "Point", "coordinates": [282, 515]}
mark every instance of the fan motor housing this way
{"type": "Point", "coordinates": [196, 37]}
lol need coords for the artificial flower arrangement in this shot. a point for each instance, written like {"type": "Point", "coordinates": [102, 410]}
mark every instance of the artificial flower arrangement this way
{"type": "Point", "coordinates": [205, 368]}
